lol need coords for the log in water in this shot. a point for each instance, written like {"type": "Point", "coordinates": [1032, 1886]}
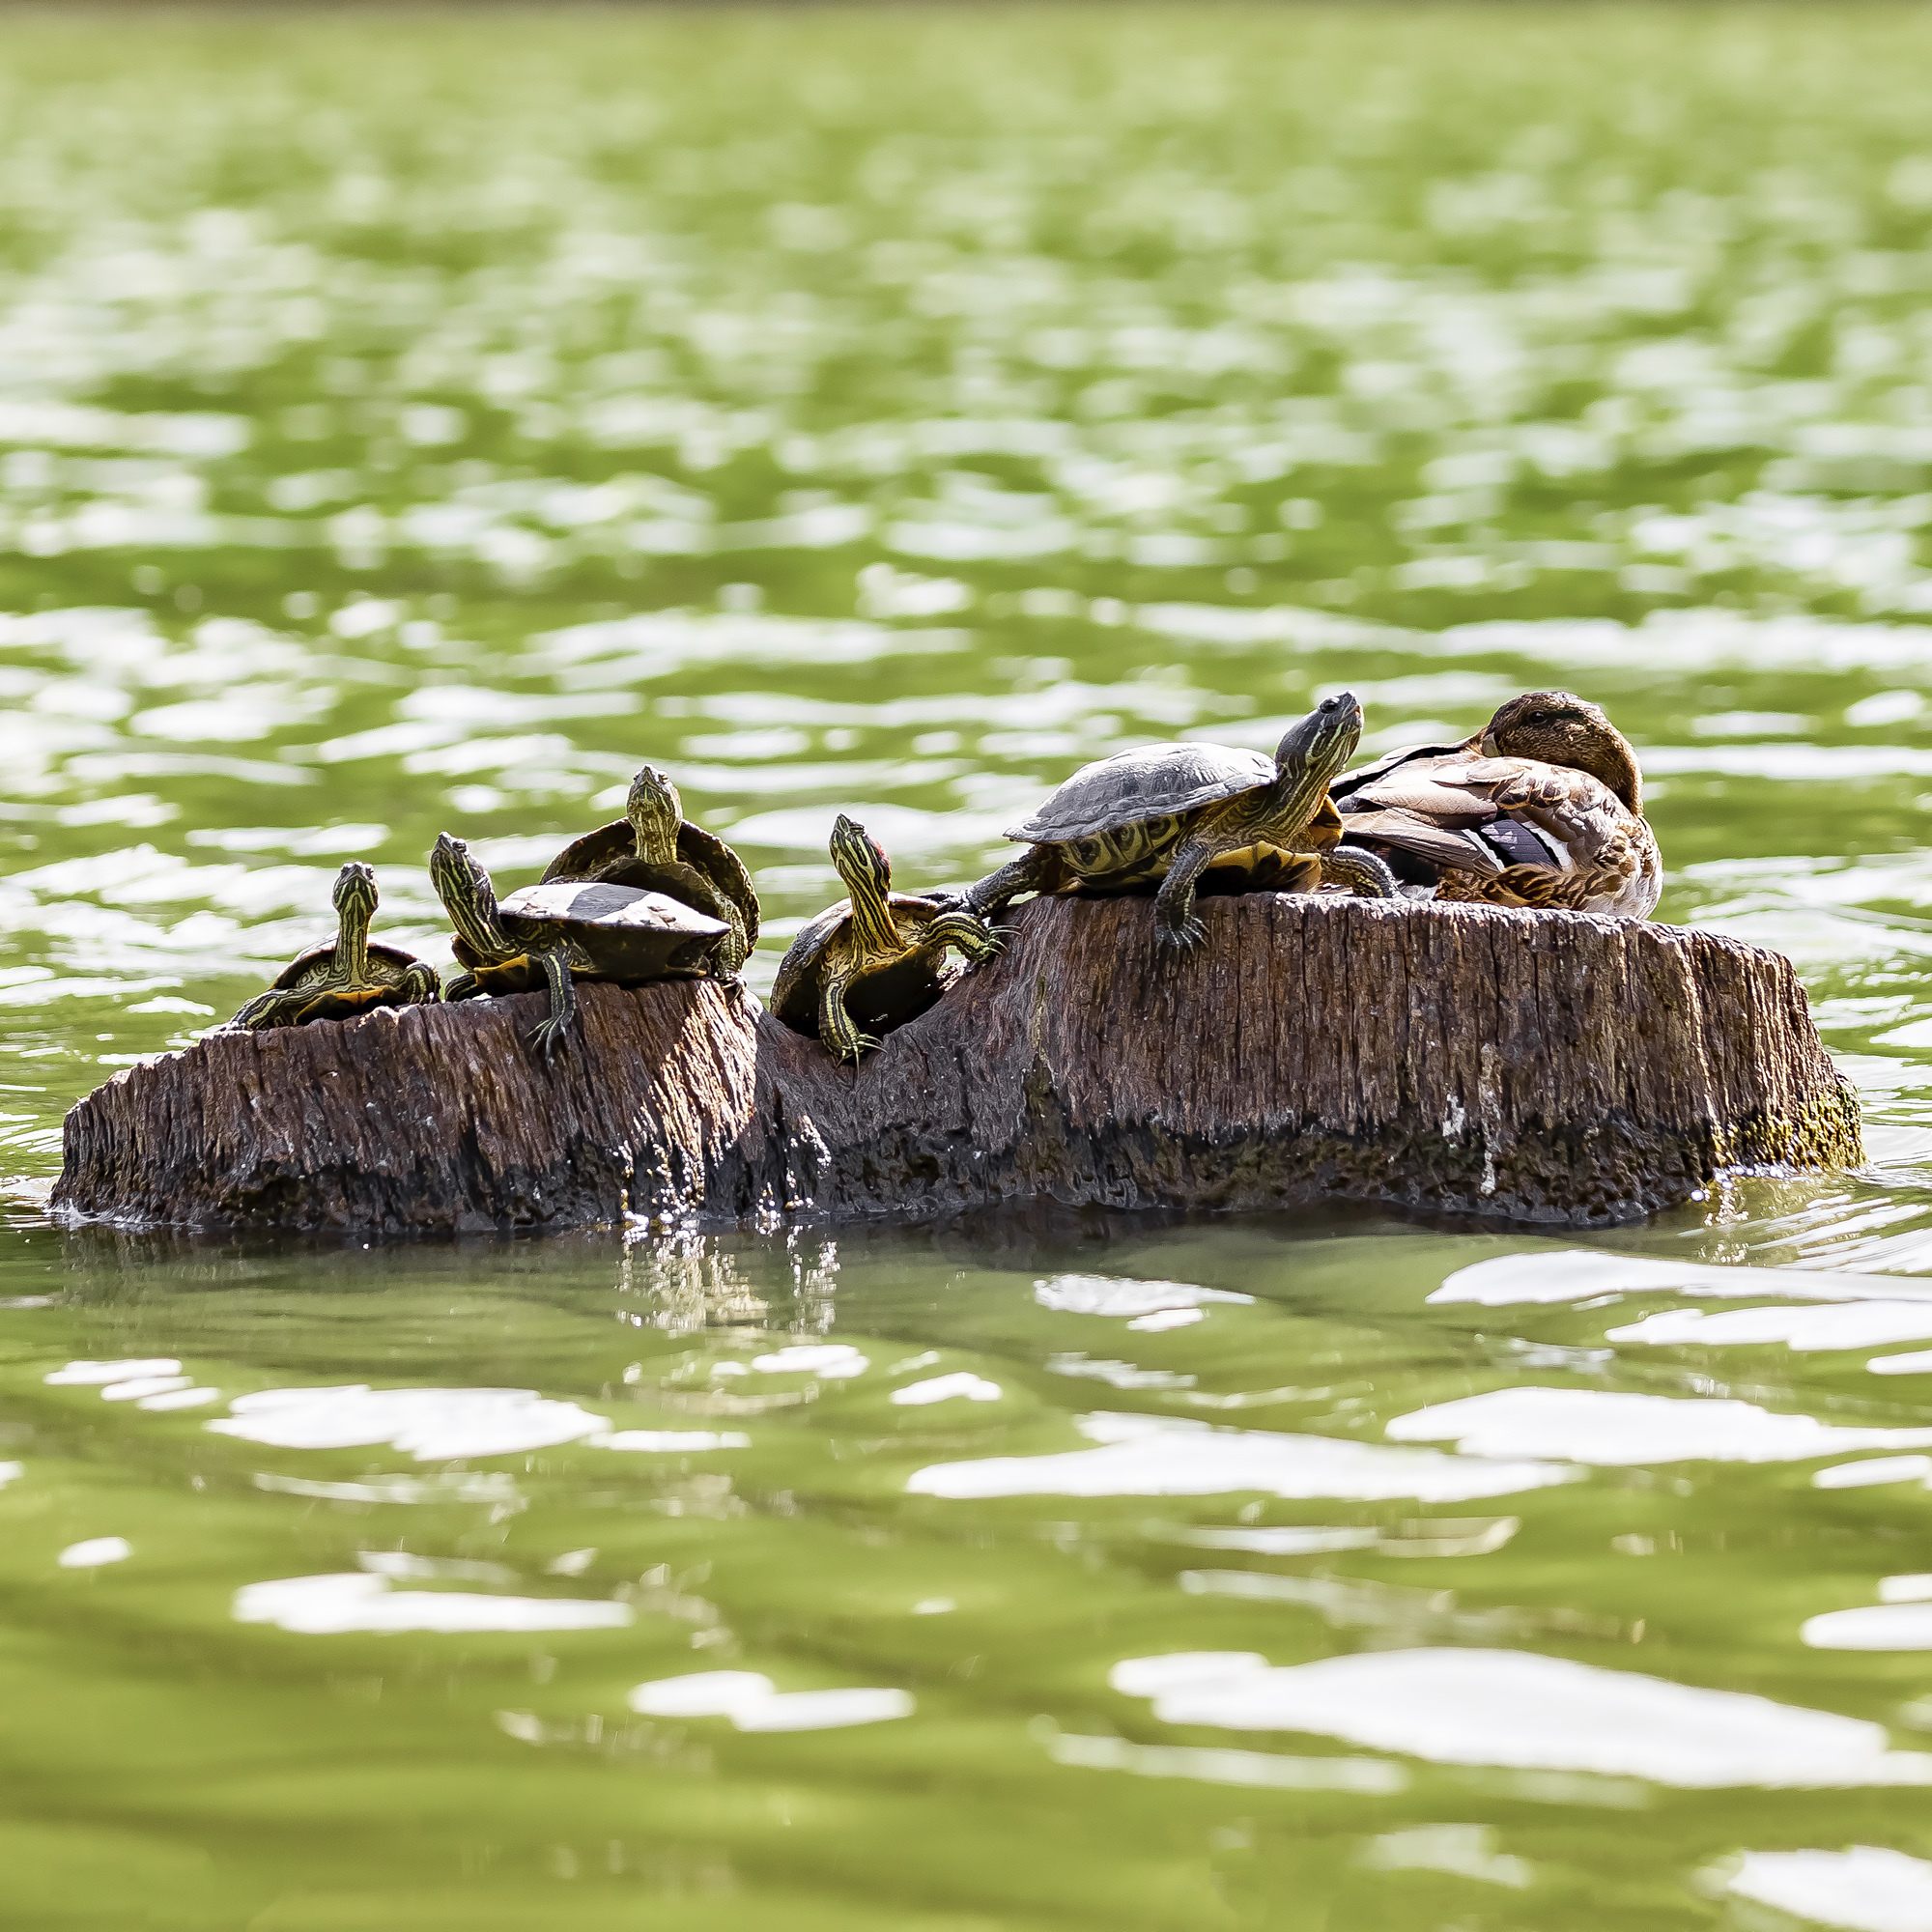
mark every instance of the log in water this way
{"type": "Point", "coordinates": [1554, 1068]}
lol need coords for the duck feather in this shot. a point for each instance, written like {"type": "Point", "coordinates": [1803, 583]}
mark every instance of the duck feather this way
{"type": "Point", "coordinates": [1509, 829]}
{"type": "Point", "coordinates": [1463, 850]}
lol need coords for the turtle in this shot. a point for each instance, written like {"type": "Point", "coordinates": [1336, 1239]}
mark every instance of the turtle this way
{"type": "Point", "coordinates": [874, 960]}
{"type": "Point", "coordinates": [1169, 812]}
{"type": "Point", "coordinates": [344, 975]}
{"type": "Point", "coordinates": [655, 848]}
{"type": "Point", "coordinates": [550, 935]}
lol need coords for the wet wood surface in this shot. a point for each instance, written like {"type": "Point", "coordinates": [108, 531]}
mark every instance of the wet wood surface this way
{"type": "Point", "coordinates": [1552, 1067]}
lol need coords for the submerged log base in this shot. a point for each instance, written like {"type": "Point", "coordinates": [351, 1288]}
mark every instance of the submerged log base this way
{"type": "Point", "coordinates": [1554, 1068]}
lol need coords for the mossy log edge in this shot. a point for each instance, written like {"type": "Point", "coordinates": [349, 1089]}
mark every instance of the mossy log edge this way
{"type": "Point", "coordinates": [1551, 1067]}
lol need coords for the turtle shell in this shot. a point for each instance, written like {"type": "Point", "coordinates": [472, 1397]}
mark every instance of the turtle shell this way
{"type": "Point", "coordinates": [617, 933]}
{"type": "Point", "coordinates": [1150, 781]}
{"type": "Point", "coordinates": [611, 854]}
{"type": "Point", "coordinates": [387, 967]}
{"type": "Point", "coordinates": [387, 964]}
{"type": "Point", "coordinates": [880, 999]}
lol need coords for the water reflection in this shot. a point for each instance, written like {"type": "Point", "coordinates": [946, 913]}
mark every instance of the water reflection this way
{"type": "Point", "coordinates": [1610, 1429]}
{"type": "Point", "coordinates": [1513, 1708]}
{"type": "Point", "coordinates": [1158, 1456]}
{"type": "Point", "coordinates": [330, 1605]}
{"type": "Point", "coordinates": [1864, 1889]}
{"type": "Point", "coordinates": [754, 1703]}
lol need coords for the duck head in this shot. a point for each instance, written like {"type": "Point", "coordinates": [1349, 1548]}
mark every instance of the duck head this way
{"type": "Point", "coordinates": [1558, 728]}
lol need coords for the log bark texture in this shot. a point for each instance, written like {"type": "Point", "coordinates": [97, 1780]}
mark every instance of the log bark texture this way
{"type": "Point", "coordinates": [1554, 1068]}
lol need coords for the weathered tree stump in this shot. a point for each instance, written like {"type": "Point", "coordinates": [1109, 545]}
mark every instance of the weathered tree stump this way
{"type": "Point", "coordinates": [1554, 1068]}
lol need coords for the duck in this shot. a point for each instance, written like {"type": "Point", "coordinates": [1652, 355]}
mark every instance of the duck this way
{"type": "Point", "coordinates": [1543, 807]}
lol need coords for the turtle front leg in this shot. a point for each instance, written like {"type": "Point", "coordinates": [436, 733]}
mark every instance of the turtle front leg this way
{"type": "Point", "coordinates": [1359, 869]}
{"type": "Point", "coordinates": [272, 1009]}
{"type": "Point", "coordinates": [1174, 926]}
{"type": "Point", "coordinates": [732, 949]}
{"type": "Point", "coordinates": [547, 1035]}
{"type": "Point", "coordinates": [836, 1027]}
{"type": "Point", "coordinates": [964, 933]}
{"type": "Point", "coordinates": [465, 986]}
{"type": "Point", "coordinates": [1038, 870]}
{"type": "Point", "coordinates": [700, 894]}
{"type": "Point", "coordinates": [421, 986]}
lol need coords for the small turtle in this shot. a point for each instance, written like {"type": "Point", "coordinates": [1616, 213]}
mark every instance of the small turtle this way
{"type": "Point", "coordinates": [550, 935]}
{"type": "Point", "coordinates": [873, 962]}
{"type": "Point", "coordinates": [656, 849]}
{"type": "Point", "coordinates": [346, 974]}
{"type": "Point", "coordinates": [1169, 812]}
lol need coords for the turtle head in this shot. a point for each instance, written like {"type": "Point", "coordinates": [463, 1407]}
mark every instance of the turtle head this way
{"type": "Point", "coordinates": [1558, 728]}
{"type": "Point", "coordinates": [655, 812]}
{"type": "Point", "coordinates": [859, 858]}
{"type": "Point", "coordinates": [1322, 742]}
{"type": "Point", "coordinates": [355, 892]}
{"type": "Point", "coordinates": [355, 898]}
{"type": "Point", "coordinates": [862, 864]}
{"type": "Point", "coordinates": [467, 896]}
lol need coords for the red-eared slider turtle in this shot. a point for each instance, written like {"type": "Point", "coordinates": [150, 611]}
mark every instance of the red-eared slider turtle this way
{"type": "Point", "coordinates": [874, 961]}
{"type": "Point", "coordinates": [656, 849]}
{"type": "Point", "coordinates": [552, 935]}
{"type": "Point", "coordinates": [1168, 813]}
{"type": "Point", "coordinates": [346, 974]}
{"type": "Point", "coordinates": [1544, 806]}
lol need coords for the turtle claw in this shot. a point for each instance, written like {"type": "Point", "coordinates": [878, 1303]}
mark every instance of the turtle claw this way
{"type": "Point", "coordinates": [546, 1035]}
{"type": "Point", "coordinates": [1178, 941]}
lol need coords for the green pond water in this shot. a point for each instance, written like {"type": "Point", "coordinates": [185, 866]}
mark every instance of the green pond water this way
{"type": "Point", "coordinates": [415, 422]}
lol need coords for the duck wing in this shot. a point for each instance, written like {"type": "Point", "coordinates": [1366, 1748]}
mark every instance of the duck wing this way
{"type": "Point", "coordinates": [1584, 828]}
{"type": "Point", "coordinates": [1353, 783]}
{"type": "Point", "coordinates": [1459, 849]}
{"type": "Point", "coordinates": [1577, 817]}
{"type": "Point", "coordinates": [1510, 831]}
{"type": "Point", "coordinates": [1424, 791]}
{"type": "Point", "coordinates": [1411, 806]}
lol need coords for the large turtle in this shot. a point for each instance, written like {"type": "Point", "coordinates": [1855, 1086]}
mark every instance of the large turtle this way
{"type": "Point", "coordinates": [874, 961]}
{"type": "Point", "coordinates": [552, 935]}
{"type": "Point", "coordinates": [656, 849]}
{"type": "Point", "coordinates": [1169, 812]}
{"type": "Point", "coordinates": [344, 975]}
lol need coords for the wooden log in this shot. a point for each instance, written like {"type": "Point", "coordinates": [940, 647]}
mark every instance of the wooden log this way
{"type": "Point", "coordinates": [1552, 1067]}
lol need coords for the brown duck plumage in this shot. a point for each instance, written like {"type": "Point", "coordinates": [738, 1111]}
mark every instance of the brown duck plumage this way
{"type": "Point", "coordinates": [1544, 806]}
